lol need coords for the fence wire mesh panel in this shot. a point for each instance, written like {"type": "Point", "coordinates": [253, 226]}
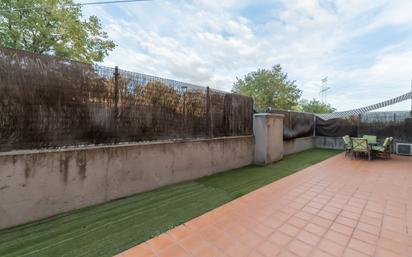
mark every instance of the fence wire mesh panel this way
{"type": "Point", "coordinates": [387, 124]}
{"type": "Point", "coordinates": [385, 117]}
{"type": "Point", "coordinates": [51, 102]}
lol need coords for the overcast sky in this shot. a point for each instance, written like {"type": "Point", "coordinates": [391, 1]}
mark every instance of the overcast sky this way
{"type": "Point", "coordinates": [363, 46]}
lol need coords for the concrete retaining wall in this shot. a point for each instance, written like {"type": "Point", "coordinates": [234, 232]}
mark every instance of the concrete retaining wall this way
{"type": "Point", "coordinates": [304, 143]}
{"type": "Point", "coordinates": [298, 145]}
{"type": "Point", "coordinates": [38, 184]}
{"type": "Point", "coordinates": [329, 142]}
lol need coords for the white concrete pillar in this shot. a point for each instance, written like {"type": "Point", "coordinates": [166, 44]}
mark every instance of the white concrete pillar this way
{"type": "Point", "coordinates": [268, 130]}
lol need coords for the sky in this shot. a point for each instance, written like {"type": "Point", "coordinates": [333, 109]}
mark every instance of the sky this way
{"type": "Point", "coordinates": [364, 47]}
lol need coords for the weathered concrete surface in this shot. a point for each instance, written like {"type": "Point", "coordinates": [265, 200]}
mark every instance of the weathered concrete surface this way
{"type": "Point", "coordinates": [304, 143]}
{"type": "Point", "coordinates": [329, 142]}
{"type": "Point", "coordinates": [38, 184]}
{"type": "Point", "coordinates": [268, 131]}
{"type": "Point", "coordinates": [298, 145]}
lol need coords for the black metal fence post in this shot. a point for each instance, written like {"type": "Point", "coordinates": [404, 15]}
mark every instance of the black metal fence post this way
{"type": "Point", "coordinates": [116, 102]}
{"type": "Point", "coordinates": [314, 125]}
{"type": "Point", "coordinates": [185, 128]}
{"type": "Point", "coordinates": [208, 114]}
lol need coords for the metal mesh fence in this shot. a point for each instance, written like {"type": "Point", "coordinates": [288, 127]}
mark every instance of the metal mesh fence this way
{"type": "Point", "coordinates": [387, 124]}
{"type": "Point", "coordinates": [51, 102]}
{"type": "Point", "coordinates": [385, 117]}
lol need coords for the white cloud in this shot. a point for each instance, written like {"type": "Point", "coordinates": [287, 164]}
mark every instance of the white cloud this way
{"type": "Point", "coordinates": [212, 42]}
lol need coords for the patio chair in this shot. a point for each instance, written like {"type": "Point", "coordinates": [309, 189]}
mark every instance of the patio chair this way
{"type": "Point", "coordinates": [348, 144]}
{"type": "Point", "coordinates": [360, 146]}
{"type": "Point", "coordinates": [384, 149]}
{"type": "Point", "coordinates": [372, 140]}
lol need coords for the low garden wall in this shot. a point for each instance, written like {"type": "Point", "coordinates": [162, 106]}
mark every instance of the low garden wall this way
{"type": "Point", "coordinates": [304, 143]}
{"type": "Point", "coordinates": [298, 145]}
{"type": "Point", "coordinates": [329, 142]}
{"type": "Point", "coordinates": [42, 183]}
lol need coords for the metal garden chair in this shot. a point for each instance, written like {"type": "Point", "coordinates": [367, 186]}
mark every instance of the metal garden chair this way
{"type": "Point", "coordinates": [384, 149]}
{"type": "Point", "coordinates": [360, 146]}
{"type": "Point", "coordinates": [348, 145]}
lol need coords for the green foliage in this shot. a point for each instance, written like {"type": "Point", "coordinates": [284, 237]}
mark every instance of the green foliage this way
{"type": "Point", "coordinates": [315, 106]}
{"type": "Point", "coordinates": [269, 88]}
{"type": "Point", "coordinates": [109, 228]}
{"type": "Point", "coordinates": [54, 27]}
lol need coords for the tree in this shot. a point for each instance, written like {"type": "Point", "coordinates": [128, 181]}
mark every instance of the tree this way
{"type": "Point", "coordinates": [315, 106]}
{"type": "Point", "coordinates": [54, 27]}
{"type": "Point", "coordinates": [269, 88]}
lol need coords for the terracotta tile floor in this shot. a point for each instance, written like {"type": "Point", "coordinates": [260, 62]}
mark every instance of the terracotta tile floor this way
{"type": "Point", "coordinates": [339, 207]}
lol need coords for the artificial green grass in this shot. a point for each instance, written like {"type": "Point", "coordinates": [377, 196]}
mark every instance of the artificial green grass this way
{"type": "Point", "coordinates": [110, 228]}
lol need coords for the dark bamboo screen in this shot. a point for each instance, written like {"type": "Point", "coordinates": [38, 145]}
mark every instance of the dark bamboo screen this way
{"type": "Point", "coordinates": [51, 102]}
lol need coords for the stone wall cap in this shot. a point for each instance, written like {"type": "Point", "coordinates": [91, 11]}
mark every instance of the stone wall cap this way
{"type": "Point", "coordinates": [76, 148]}
{"type": "Point", "coordinates": [269, 114]}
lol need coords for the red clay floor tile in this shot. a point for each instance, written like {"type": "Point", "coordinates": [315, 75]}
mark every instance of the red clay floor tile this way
{"type": "Point", "coordinates": [339, 207]}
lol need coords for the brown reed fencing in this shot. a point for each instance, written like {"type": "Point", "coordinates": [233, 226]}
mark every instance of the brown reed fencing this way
{"type": "Point", "coordinates": [51, 102]}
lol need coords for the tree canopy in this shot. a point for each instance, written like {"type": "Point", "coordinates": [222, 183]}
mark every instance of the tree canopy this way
{"type": "Point", "coordinates": [315, 106]}
{"type": "Point", "coordinates": [54, 27]}
{"type": "Point", "coordinates": [269, 88]}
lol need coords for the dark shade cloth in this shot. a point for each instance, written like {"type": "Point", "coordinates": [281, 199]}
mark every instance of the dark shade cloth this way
{"type": "Point", "coordinates": [336, 127]}
{"type": "Point", "coordinates": [296, 124]}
